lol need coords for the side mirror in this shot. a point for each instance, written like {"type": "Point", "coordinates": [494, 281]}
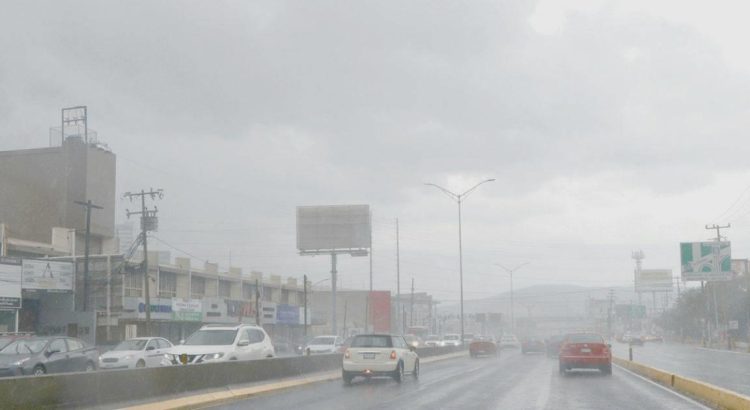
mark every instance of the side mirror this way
{"type": "Point", "coordinates": [243, 343]}
{"type": "Point", "coordinates": [51, 352]}
{"type": "Point", "coordinates": [151, 348]}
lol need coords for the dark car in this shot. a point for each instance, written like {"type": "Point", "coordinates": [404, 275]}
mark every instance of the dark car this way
{"type": "Point", "coordinates": [41, 355]}
{"type": "Point", "coordinates": [532, 345]}
{"type": "Point", "coordinates": [553, 344]}
{"type": "Point", "coordinates": [482, 347]}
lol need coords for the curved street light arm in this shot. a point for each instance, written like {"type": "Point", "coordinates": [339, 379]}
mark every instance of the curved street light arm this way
{"type": "Point", "coordinates": [468, 191]}
{"type": "Point", "coordinates": [450, 194]}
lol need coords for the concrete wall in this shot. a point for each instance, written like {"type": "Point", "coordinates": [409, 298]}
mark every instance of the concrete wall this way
{"type": "Point", "coordinates": [38, 188]}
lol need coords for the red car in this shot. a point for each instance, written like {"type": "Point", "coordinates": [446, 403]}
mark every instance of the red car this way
{"type": "Point", "coordinates": [482, 347]}
{"type": "Point", "coordinates": [585, 351]}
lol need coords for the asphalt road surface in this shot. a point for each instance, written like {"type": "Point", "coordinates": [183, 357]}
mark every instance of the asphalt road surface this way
{"type": "Point", "coordinates": [513, 381]}
{"type": "Point", "coordinates": [730, 370]}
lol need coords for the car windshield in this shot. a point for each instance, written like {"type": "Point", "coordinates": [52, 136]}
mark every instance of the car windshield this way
{"type": "Point", "coordinates": [584, 338]}
{"type": "Point", "coordinates": [323, 340]}
{"type": "Point", "coordinates": [372, 341]}
{"type": "Point", "coordinates": [133, 344]}
{"type": "Point", "coordinates": [25, 346]}
{"type": "Point", "coordinates": [433, 338]}
{"type": "Point", "coordinates": [452, 337]}
{"type": "Point", "coordinates": [211, 337]}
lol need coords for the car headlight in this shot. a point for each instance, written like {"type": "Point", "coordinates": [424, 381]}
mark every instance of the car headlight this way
{"type": "Point", "coordinates": [169, 357]}
{"type": "Point", "coordinates": [126, 358]}
{"type": "Point", "coordinates": [21, 362]}
{"type": "Point", "coordinates": [213, 356]}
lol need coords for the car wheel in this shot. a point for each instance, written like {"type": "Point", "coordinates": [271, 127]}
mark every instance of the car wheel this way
{"type": "Point", "coordinates": [415, 373]}
{"type": "Point", "coordinates": [398, 375]}
{"type": "Point", "coordinates": [562, 370]}
{"type": "Point", "coordinates": [90, 367]}
{"type": "Point", "coordinates": [39, 370]}
{"type": "Point", "coordinates": [140, 363]}
{"type": "Point", "coordinates": [348, 377]}
{"type": "Point", "coordinates": [607, 370]}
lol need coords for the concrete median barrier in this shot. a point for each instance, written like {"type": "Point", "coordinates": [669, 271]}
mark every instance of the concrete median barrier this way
{"type": "Point", "coordinates": [713, 395]}
{"type": "Point", "coordinates": [106, 387]}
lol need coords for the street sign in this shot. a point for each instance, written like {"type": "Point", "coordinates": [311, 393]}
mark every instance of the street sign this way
{"type": "Point", "coordinates": [706, 261]}
{"type": "Point", "coordinates": [10, 285]}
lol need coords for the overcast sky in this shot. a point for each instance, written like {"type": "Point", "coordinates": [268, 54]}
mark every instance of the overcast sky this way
{"type": "Point", "coordinates": [609, 126]}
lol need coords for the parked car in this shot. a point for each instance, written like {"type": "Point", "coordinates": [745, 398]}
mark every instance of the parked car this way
{"type": "Point", "coordinates": [8, 338]}
{"type": "Point", "coordinates": [508, 341]}
{"type": "Point", "coordinates": [217, 343]}
{"type": "Point", "coordinates": [585, 351]}
{"type": "Point", "coordinates": [532, 345]}
{"type": "Point", "coordinates": [377, 355]}
{"type": "Point", "coordinates": [482, 346]}
{"type": "Point", "coordinates": [553, 344]}
{"type": "Point", "coordinates": [136, 352]}
{"type": "Point", "coordinates": [452, 339]}
{"type": "Point", "coordinates": [41, 355]}
{"type": "Point", "coordinates": [324, 344]}
{"type": "Point", "coordinates": [433, 341]}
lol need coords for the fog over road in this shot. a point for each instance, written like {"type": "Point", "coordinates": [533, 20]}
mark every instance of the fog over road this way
{"type": "Point", "coordinates": [513, 381]}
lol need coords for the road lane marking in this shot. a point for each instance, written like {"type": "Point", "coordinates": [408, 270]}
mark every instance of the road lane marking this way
{"type": "Point", "coordinates": [686, 398]}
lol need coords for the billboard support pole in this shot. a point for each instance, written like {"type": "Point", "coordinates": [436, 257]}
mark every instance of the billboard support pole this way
{"type": "Point", "coordinates": [334, 328]}
{"type": "Point", "coordinates": [17, 319]}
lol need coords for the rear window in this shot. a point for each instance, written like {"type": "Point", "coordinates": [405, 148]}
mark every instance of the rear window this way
{"type": "Point", "coordinates": [372, 341]}
{"type": "Point", "coordinates": [323, 340]}
{"type": "Point", "coordinates": [584, 338]}
{"type": "Point", "coordinates": [452, 337]}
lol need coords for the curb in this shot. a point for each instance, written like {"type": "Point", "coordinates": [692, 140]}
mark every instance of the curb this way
{"type": "Point", "coordinates": [235, 394]}
{"type": "Point", "coordinates": [715, 396]}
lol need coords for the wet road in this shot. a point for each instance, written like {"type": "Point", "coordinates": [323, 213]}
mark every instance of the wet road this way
{"type": "Point", "coordinates": [730, 370]}
{"type": "Point", "coordinates": [513, 381]}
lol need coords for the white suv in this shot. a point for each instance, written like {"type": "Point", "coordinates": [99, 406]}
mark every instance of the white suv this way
{"type": "Point", "coordinates": [216, 343]}
{"type": "Point", "coordinates": [379, 355]}
{"type": "Point", "coordinates": [452, 339]}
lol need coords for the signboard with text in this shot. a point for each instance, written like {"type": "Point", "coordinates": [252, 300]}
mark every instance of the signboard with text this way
{"type": "Point", "coordinates": [47, 275]}
{"type": "Point", "coordinates": [10, 285]}
{"type": "Point", "coordinates": [653, 280]}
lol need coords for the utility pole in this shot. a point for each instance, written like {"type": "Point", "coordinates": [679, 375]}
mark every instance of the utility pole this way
{"type": "Point", "coordinates": [609, 312]}
{"type": "Point", "coordinates": [148, 223]}
{"type": "Point", "coordinates": [717, 267]}
{"type": "Point", "coordinates": [305, 298]}
{"type": "Point", "coordinates": [257, 302]}
{"type": "Point", "coordinates": [398, 282]}
{"type": "Point", "coordinates": [89, 206]}
{"type": "Point", "coordinates": [411, 308]}
{"type": "Point", "coordinates": [334, 327]}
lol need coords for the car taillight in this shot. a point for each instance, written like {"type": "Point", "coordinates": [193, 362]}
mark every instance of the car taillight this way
{"type": "Point", "coordinates": [393, 355]}
{"type": "Point", "coordinates": [347, 354]}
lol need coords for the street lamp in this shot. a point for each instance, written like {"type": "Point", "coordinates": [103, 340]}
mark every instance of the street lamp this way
{"type": "Point", "coordinates": [460, 198]}
{"type": "Point", "coordinates": [510, 272]}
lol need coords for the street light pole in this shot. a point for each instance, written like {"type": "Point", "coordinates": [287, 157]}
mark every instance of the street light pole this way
{"type": "Point", "coordinates": [510, 272]}
{"type": "Point", "coordinates": [460, 198]}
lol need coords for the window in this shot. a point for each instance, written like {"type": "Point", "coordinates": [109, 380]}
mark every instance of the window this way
{"type": "Point", "coordinates": [198, 287]}
{"type": "Point", "coordinates": [133, 284]}
{"type": "Point", "coordinates": [213, 337]}
{"type": "Point", "coordinates": [255, 335]}
{"type": "Point", "coordinates": [267, 294]}
{"type": "Point", "coordinates": [248, 291]}
{"type": "Point", "coordinates": [167, 284]}
{"type": "Point", "coordinates": [58, 345]}
{"type": "Point", "coordinates": [163, 343]}
{"type": "Point", "coordinates": [372, 341]}
{"type": "Point", "coordinates": [284, 296]}
{"type": "Point", "coordinates": [74, 344]}
{"type": "Point", "coordinates": [154, 344]}
{"type": "Point", "coordinates": [225, 289]}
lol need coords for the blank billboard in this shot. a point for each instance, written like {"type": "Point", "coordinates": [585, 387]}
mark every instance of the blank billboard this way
{"type": "Point", "coordinates": [333, 227]}
{"type": "Point", "coordinates": [654, 280]}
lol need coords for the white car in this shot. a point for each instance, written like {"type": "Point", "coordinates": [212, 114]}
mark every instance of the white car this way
{"type": "Point", "coordinates": [218, 343]}
{"type": "Point", "coordinates": [433, 341]}
{"type": "Point", "coordinates": [379, 355]}
{"type": "Point", "coordinates": [509, 341]}
{"type": "Point", "coordinates": [137, 352]}
{"type": "Point", "coordinates": [452, 339]}
{"type": "Point", "coordinates": [324, 344]}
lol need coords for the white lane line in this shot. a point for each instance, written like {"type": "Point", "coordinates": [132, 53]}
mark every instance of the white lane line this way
{"type": "Point", "coordinates": [711, 349]}
{"type": "Point", "coordinates": [682, 396]}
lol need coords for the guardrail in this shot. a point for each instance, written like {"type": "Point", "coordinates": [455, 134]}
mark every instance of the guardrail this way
{"type": "Point", "coordinates": [713, 395]}
{"type": "Point", "coordinates": [112, 386]}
